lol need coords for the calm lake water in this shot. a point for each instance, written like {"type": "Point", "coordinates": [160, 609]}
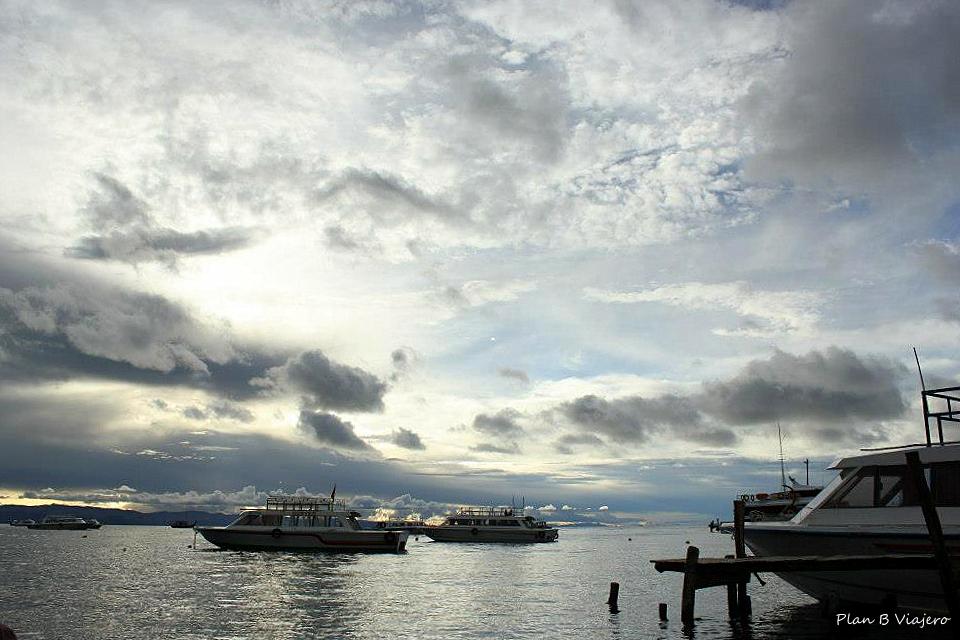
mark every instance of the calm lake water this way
{"type": "Point", "coordinates": [144, 582]}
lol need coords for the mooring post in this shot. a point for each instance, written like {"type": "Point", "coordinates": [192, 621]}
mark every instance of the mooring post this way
{"type": "Point", "coordinates": [614, 595]}
{"type": "Point", "coordinates": [936, 534]}
{"type": "Point", "coordinates": [740, 547]}
{"type": "Point", "coordinates": [732, 610]}
{"type": "Point", "coordinates": [689, 596]}
{"type": "Point", "coordinates": [663, 612]}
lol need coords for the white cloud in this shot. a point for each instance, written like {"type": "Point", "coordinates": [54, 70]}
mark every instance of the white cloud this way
{"type": "Point", "coordinates": [777, 311]}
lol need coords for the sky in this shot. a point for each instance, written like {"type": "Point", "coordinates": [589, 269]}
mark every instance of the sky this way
{"type": "Point", "coordinates": [460, 252]}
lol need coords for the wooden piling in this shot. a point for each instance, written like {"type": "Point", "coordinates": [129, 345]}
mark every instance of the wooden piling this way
{"type": "Point", "coordinates": [740, 547]}
{"type": "Point", "coordinates": [663, 612]}
{"type": "Point", "coordinates": [689, 596]}
{"type": "Point", "coordinates": [614, 596]}
{"type": "Point", "coordinates": [732, 609]}
{"type": "Point", "coordinates": [936, 534]}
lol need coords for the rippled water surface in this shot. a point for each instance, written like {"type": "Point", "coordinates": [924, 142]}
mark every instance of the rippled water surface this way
{"type": "Point", "coordinates": [145, 582]}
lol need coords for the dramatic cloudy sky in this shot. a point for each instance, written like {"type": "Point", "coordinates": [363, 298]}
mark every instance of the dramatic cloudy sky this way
{"type": "Point", "coordinates": [589, 253]}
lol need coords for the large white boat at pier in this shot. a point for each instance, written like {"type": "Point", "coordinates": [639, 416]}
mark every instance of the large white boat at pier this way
{"type": "Point", "coordinates": [302, 523]}
{"type": "Point", "coordinates": [491, 524]}
{"type": "Point", "coordinates": [872, 508]}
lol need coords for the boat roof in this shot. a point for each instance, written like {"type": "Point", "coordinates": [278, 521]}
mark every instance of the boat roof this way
{"type": "Point", "coordinates": [896, 456]}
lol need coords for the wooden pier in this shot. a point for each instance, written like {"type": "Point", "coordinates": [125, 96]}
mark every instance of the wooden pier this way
{"type": "Point", "coordinates": [734, 572]}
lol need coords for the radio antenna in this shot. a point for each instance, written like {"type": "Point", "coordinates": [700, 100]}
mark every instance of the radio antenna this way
{"type": "Point", "coordinates": [919, 370]}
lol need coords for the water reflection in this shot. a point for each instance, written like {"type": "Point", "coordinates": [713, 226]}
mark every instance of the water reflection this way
{"type": "Point", "coordinates": [139, 582]}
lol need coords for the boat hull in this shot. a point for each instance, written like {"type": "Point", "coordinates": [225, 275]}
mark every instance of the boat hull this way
{"type": "Point", "coordinates": [482, 534]}
{"type": "Point", "coordinates": [913, 589]}
{"type": "Point", "coordinates": [69, 526]}
{"type": "Point", "coordinates": [266, 539]}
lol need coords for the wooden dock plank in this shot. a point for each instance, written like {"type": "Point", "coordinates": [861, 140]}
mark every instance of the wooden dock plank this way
{"type": "Point", "coordinates": [775, 564]}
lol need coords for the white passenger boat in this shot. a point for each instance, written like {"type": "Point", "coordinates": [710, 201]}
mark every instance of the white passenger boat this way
{"type": "Point", "coordinates": [872, 508]}
{"type": "Point", "coordinates": [58, 523]}
{"type": "Point", "coordinates": [302, 523]}
{"type": "Point", "coordinates": [491, 524]}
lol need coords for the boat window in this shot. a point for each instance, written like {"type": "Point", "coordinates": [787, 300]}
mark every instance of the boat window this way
{"type": "Point", "coordinates": [890, 486]}
{"type": "Point", "coordinates": [859, 493]}
{"type": "Point", "coordinates": [249, 519]}
{"type": "Point", "coordinates": [271, 520]}
{"type": "Point", "coordinates": [945, 483]}
{"type": "Point", "coordinates": [335, 522]}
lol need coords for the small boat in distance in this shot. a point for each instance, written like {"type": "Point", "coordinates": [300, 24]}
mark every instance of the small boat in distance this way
{"type": "Point", "coordinates": [23, 523]}
{"type": "Point", "coordinates": [92, 523]}
{"type": "Point", "coordinates": [61, 523]}
{"type": "Point", "coordinates": [183, 524]}
{"type": "Point", "coordinates": [778, 506]}
{"type": "Point", "coordinates": [491, 524]}
{"type": "Point", "coordinates": [302, 523]}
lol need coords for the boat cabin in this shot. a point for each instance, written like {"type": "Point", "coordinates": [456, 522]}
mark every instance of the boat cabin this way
{"type": "Point", "coordinates": [299, 512]}
{"type": "Point", "coordinates": [492, 517]}
{"type": "Point", "coordinates": [877, 483]}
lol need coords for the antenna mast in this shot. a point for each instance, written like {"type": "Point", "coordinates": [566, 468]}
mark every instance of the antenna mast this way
{"type": "Point", "coordinates": [806, 463]}
{"type": "Point", "coordinates": [923, 397]}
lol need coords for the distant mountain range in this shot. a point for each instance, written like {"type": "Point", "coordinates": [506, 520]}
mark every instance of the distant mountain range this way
{"type": "Point", "coordinates": [9, 512]}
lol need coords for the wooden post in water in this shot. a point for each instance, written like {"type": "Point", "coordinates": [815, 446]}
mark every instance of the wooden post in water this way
{"type": "Point", "coordinates": [740, 547]}
{"type": "Point", "coordinates": [614, 596]}
{"type": "Point", "coordinates": [732, 609]}
{"type": "Point", "coordinates": [663, 612]}
{"type": "Point", "coordinates": [936, 533]}
{"type": "Point", "coordinates": [689, 596]}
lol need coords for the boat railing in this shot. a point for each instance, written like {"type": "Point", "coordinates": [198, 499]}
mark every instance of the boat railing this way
{"type": "Point", "coordinates": [487, 512]}
{"type": "Point", "coordinates": [947, 398]}
{"type": "Point", "coordinates": [304, 504]}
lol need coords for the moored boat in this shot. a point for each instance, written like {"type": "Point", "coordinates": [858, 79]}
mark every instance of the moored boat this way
{"type": "Point", "coordinates": [60, 523]}
{"type": "Point", "coordinates": [491, 524]}
{"type": "Point", "coordinates": [183, 524]}
{"type": "Point", "coordinates": [23, 523]}
{"type": "Point", "coordinates": [872, 508]}
{"type": "Point", "coordinates": [302, 523]}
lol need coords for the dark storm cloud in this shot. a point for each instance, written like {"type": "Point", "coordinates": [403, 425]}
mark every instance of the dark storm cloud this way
{"type": "Point", "coordinates": [194, 413]}
{"type": "Point", "coordinates": [569, 442]}
{"type": "Point", "coordinates": [633, 419]}
{"type": "Point", "coordinates": [503, 424]}
{"type": "Point", "coordinates": [863, 89]}
{"type": "Point", "coordinates": [486, 447]}
{"type": "Point", "coordinates": [330, 430]}
{"type": "Point", "coordinates": [834, 385]}
{"type": "Point", "coordinates": [231, 411]}
{"type": "Point", "coordinates": [407, 439]}
{"type": "Point", "coordinates": [500, 430]}
{"type": "Point", "coordinates": [515, 374]}
{"type": "Point", "coordinates": [128, 232]}
{"type": "Point", "coordinates": [402, 359]}
{"type": "Point", "coordinates": [836, 395]}
{"type": "Point", "coordinates": [160, 245]}
{"type": "Point", "coordinates": [387, 199]}
{"type": "Point", "coordinates": [57, 324]}
{"type": "Point", "coordinates": [80, 329]}
{"type": "Point", "coordinates": [114, 205]}
{"type": "Point", "coordinates": [220, 409]}
{"type": "Point", "coordinates": [326, 384]}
